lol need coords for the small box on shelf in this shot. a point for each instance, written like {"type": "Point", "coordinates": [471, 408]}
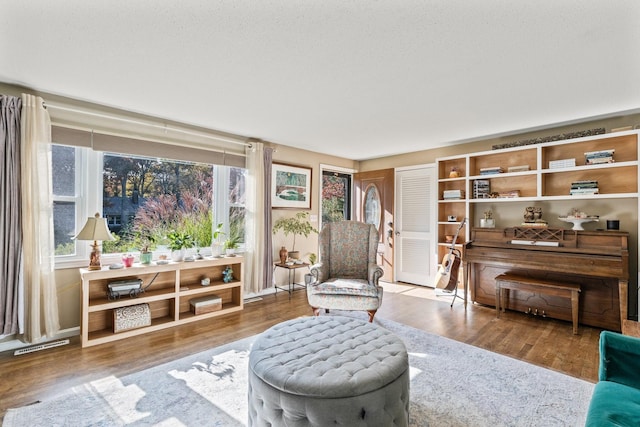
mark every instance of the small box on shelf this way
{"type": "Point", "coordinates": [131, 317]}
{"type": "Point", "coordinates": [205, 304]}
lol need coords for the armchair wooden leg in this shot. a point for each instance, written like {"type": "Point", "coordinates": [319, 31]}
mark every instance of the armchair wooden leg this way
{"type": "Point", "coordinates": [316, 311]}
{"type": "Point", "coordinates": [371, 314]}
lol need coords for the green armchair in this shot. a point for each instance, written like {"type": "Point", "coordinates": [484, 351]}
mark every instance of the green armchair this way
{"type": "Point", "coordinates": [616, 396]}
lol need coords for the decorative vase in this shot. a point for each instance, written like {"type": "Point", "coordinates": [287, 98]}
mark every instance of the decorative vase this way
{"type": "Point", "coordinates": [487, 223]}
{"type": "Point", "coordinates": [216, 250]}
{"type": "Point", "coordinates": [283, 255]}
{"type": "Point", "coordinates": [146, 257]}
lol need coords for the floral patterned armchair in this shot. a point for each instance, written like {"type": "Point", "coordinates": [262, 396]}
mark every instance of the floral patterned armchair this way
{"type": "Point", "coordinates": [346, 278]}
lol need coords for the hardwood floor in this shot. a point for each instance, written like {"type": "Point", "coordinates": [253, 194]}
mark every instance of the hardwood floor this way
{"type": "Point", "coordinates": [541, 341]}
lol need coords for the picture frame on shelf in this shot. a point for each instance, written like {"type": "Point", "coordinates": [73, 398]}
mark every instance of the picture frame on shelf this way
{"type": "Point", "coordinates": [290, 186]}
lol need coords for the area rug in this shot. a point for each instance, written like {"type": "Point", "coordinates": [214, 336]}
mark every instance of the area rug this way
{"type": "Point", "coordinates": [452, 384]}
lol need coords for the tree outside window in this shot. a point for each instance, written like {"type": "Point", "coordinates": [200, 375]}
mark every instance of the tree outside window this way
{"type": "Point", "coordinates": [144, 199]}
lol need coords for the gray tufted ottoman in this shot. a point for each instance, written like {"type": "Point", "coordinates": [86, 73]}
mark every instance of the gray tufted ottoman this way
{"type": "Point", "coordinates": [328, 371]}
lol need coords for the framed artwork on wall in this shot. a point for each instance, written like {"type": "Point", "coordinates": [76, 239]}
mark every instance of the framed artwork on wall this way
{"type": "Point", "coordinates": [290, 187]}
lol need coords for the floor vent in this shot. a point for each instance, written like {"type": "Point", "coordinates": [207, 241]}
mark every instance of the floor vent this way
{"type": "Point", "coordinates": [40, 347]}
{"type": "Point", "coordinates": [253, 299]}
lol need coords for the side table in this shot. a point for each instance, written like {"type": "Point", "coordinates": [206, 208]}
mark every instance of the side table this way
{"type": "Point", "coordinates": [291, 268]}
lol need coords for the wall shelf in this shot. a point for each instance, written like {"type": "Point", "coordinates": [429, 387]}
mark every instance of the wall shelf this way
{"type": "Point", "coordinates": [616, 180]}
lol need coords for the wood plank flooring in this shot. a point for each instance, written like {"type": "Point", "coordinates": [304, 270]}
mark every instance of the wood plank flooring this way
{"type": "Point", "coordinates": [541, 341]}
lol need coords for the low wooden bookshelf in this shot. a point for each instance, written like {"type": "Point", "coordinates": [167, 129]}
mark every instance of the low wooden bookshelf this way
{"type": "Point", "coordinates": [168, 290]}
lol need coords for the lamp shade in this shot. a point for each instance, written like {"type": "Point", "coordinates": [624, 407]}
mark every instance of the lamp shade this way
{"type": "Point", "coordinates": [95, 229]}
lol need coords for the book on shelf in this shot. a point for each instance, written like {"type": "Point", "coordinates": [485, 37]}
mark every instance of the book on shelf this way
{"type": "Point", "coordinates": [564, 163]}
{"type": "Point", "coordinates": [600, 153]}
{"type": "Point", "coordinates": [583, 191]}
{"type": "Point", "coordinates": [481, 188]}
{"type": "Point", "coordinates": [491, 171]}
{"type": "Point", "coordinates": [599, 157]}
{"type": "Point", "coordinates": [453, 194]}
{"type": "Point", "coordinates": [521, 168]}
{"type": "Point", "coordinates": [584, 187]}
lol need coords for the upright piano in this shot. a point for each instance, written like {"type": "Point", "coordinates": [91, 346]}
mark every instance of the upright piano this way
{"type": "Point", "coordinates": [597, 260]}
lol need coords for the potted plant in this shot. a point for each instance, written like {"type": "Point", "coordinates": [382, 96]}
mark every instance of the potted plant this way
{"type": "Point", "coordinates": [179, 242]}
{"type": "Point", "coordinates": [146, 240]}
{"type": "Point", "coordinates": [297, 225]}
{"type": "Point", "coordinates": [231, 244]}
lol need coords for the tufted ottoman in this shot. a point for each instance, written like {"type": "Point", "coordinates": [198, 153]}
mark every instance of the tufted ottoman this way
{"type": "Point", "coordinates": [328, 371]}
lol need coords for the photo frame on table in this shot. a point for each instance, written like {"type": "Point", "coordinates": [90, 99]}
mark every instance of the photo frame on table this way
{"type": "Point", "coordinates": [290, 186]}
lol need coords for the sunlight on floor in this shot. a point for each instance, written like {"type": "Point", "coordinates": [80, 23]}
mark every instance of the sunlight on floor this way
{"type": "Point", "coordinates": [123, 399]}
{"type": "Point", "coordinates": [415, 291]}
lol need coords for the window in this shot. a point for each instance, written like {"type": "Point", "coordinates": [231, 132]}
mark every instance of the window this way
{"type": "Point", "coordinates": [66, 165]}
{"type": "Point", "coordinates": [336, 196]}
{"type": "Point", "coordinates": [142, 197]}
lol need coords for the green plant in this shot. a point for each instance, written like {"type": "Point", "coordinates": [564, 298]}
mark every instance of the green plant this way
{"type": "Point", "coordinates": [232, 242]}
{"type": "Point", "coordinates": [312, 258]}
{"type": "Point", "coordinates": [297, 225]}
{"type": "Point", "coordinates": [145, 240]}
{"type": "Point", "coordinates": [217, 232]}
{"type": "Point", "coordinates": [179, 240]}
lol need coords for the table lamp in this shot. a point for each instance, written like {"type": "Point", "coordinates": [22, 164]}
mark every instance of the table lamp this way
{"type": "Point", "coordinates": [95, 229]}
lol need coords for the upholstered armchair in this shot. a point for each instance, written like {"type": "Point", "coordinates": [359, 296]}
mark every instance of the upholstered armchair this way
{"type": "Point", "coordinates": [346, 278]}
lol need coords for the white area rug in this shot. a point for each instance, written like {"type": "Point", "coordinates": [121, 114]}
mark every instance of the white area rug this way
{"type": "Point", "coordinates": [452, 384]}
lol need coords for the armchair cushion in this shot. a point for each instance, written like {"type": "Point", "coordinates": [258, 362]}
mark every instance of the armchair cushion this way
{"type": "Point", "coordinates": [338, 286]}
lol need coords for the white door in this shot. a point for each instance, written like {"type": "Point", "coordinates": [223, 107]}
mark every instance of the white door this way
{"type": "Point", "coordinates": [415, 235]}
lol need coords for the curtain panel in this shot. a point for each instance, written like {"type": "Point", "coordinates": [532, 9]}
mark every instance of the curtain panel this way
{"type": "Point", "coordinates": [258, 254]}
{"type": "Point", "coordinates": [41, 302]}
{"type": "Point", "coordinates": [10, 219]}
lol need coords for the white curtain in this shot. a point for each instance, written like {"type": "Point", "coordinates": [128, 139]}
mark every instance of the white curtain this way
{"type": "Point", "coordinates": [258, 255]}
{"type": "Point", "coordinates": [40, 297]}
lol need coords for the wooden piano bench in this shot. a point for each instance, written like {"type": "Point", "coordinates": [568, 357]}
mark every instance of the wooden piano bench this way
{"type": "Point", "coordinates": [507, 281]}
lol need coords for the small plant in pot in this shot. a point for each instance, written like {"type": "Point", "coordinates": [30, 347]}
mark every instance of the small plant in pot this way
{"type": "Point", "coordinates": [179, 242]}
{"type": "Point", "coordinates": [231, 244]}
{"type": "Point", "coordinates": [146, 240]}
{"type": "Point", "coordinates": [297, 225]}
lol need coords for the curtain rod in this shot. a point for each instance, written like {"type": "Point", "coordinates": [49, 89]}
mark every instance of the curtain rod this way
{"type": "Point", "coordinates": [153, 125]}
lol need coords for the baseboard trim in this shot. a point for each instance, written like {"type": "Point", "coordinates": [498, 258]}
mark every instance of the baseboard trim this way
{"type": "Point", "coordinates": [16, 343]}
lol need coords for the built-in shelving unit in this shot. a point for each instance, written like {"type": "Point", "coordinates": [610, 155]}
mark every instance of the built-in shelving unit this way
{"type": "Point", "coordinates": [535, 179]}
{"type": "Point", "coordinates": [171, 288]}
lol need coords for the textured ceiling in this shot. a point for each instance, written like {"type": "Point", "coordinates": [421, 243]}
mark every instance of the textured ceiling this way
{"type": "Point", "coordinates": [357, 79]}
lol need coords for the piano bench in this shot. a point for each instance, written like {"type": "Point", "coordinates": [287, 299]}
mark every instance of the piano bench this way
{"type": "Point", "coordinates": [506, 281]}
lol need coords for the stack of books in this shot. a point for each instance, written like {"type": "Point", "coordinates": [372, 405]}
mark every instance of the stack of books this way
{"type": "Point", "coordinates": [598, 157]}
{"type": "Point", "coordinates": [564, 163]}
{"type": "Point", "coordinates": [481, 188]}
{"type": "Point", "coordinates": [582, 188]}
{"type": "Point", "coordinates": [453, 194]}
{"type": "Point", "coordinates": [491, 171]}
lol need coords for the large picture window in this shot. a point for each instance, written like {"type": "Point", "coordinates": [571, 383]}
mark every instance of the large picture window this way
{"type": "Point", "coordinates": [143, 199]}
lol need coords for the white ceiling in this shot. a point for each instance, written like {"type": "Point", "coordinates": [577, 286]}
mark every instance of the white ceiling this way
{"type": "Point", "coordinates": [358, 79]}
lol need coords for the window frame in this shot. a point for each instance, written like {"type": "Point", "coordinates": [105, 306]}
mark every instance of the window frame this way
{"type": "Point", "coordinates": [325, 168]}
{"type": "Point", "coordinates": [88, 199]}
